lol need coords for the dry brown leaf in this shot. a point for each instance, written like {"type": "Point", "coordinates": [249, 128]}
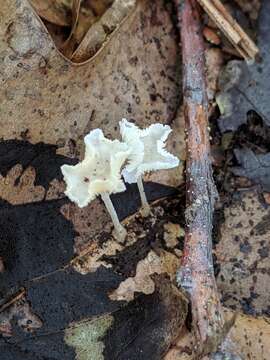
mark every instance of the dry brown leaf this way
{"type": "Point", "coordinates": [18, 186]}
{"type": "Point", "coordinates": [55, 102]}
{"type": "Point", "coordinates": [69, 44]}
{"type": "Point", "coordinates": [58, 35]}
{"type": "Point", "coordinates": [55, 11]}
{"type": "Point", "coordinates": [86, 19]}
{"type": "Point", "coordinates": [183, 349]}
{"type": "Point", "coordinates": [99, 6]}
{"type": "Point", "coordinates": [247, 339]}
{"type": "Point", "coordinates": [250, 337]}
{"type": "Point", "coordinates": [243, 254]}
{"type": "Point", "coordinates": [76, 5]}
{"type": "Point", "coordinates": [100, 31]}
{"type": "Point", "coordinates": [87, 222]}
{"type": "Point", "coordinates": [172, 233]}
{"type": "Point", "coordinates": [93, 228]}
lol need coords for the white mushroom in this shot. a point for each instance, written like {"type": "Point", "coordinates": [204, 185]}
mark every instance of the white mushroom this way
{"type": "Point", "coordinates": [147, 153]}
{"type": "Point", "coordinates": [98, 174]}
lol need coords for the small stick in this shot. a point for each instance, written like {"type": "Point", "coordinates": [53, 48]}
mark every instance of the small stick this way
{"type": "Point", "coordinates": [120, 231]}
{"type": "Point", "coordinates": [145, 210]}
{"type": "Point", "coordinates": [231, 29]}
{"type": "Point", "coordinates": [196, 275]}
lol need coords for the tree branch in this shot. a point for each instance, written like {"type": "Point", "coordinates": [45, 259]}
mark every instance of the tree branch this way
{"type": "Point", "coordinates": [196, 275]}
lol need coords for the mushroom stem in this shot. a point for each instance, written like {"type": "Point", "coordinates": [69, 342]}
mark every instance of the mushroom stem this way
{"type": "Point", "coordinates": [145, 210]}
{"type": "Point", "coordinates": [120, 231]}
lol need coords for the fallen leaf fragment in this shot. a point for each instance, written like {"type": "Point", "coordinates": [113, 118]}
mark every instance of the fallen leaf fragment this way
{"type": "Point", "coordinates": [254, 167]}
{"type": "Point", "coordinates": [172, 233]}
{"type": "Point", "coordinates": [243, 86]}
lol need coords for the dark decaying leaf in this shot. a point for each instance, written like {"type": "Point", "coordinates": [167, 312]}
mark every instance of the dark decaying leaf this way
{"type": "Point", "coordinates": [71, 328]}
{"type": "Point", "coordinates": [244, 86]}
{"type": "Point", "coordinates": [28, 246]}
{"type": "Point", "coordinates": [255, 167]}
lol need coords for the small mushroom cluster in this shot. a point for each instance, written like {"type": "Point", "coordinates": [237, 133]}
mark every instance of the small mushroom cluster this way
{"type": "Point", "coordinates": [141, 151]}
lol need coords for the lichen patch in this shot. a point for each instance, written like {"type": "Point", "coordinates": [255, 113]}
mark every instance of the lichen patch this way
{"type": "Point", "coordinates": [86, 338]}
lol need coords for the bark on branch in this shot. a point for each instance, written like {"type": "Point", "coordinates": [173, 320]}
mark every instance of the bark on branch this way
{"type": "Point", "coordinates": [196, 275]}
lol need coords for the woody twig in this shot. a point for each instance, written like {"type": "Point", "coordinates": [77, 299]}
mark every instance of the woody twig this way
{"type": "Point", "coordinates": [231, 29]}
{"type": "Point", "coordinates": [196, 275]}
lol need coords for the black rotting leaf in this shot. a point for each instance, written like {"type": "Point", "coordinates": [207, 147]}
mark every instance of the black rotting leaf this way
{"type": "Point", "coordinates": [41, 156]}
{"type": "Point", "coordinates": [35, 239]}
{"type": "Point", "coordinates": [60, 300]}
{"type": "Point", "coordinates": [145, 315]}
{"type": "Point", "coordinates": [10, 352]}
{"type": "Point", "coordinates": [67, 296]}
{"type": "Point", "coordinates": [245, 87]}
{"type": "Point", "coordinates": [254, 167]}
{"type": "Point", "coordinates": [128, 202]}
{"type": "Point", "coordinates": [151, 326]}
{"type": "Point", "coordinates": [125, 261]}
{"type": "Point", "coordinates": [36, 243]}
{"type": "Point", "coordinates": [153, 318]}
{"type": "Point", "coordinates": [48, 347]}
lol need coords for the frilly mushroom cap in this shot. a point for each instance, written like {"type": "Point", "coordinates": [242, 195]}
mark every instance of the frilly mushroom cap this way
{"type": "Point", "coordinates": [99, 172]}
{"type": "Point", "coordinates": [147, 149]}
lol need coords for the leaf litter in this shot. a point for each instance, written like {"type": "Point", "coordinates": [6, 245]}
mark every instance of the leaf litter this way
{"type": "Point", "coordinates": [124, 281]}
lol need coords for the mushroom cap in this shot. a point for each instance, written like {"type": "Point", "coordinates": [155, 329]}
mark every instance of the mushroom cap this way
{"type": "Point", "coordinates": [147, 149]}
{"type": "Point", "coordinates": [98, 172]}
